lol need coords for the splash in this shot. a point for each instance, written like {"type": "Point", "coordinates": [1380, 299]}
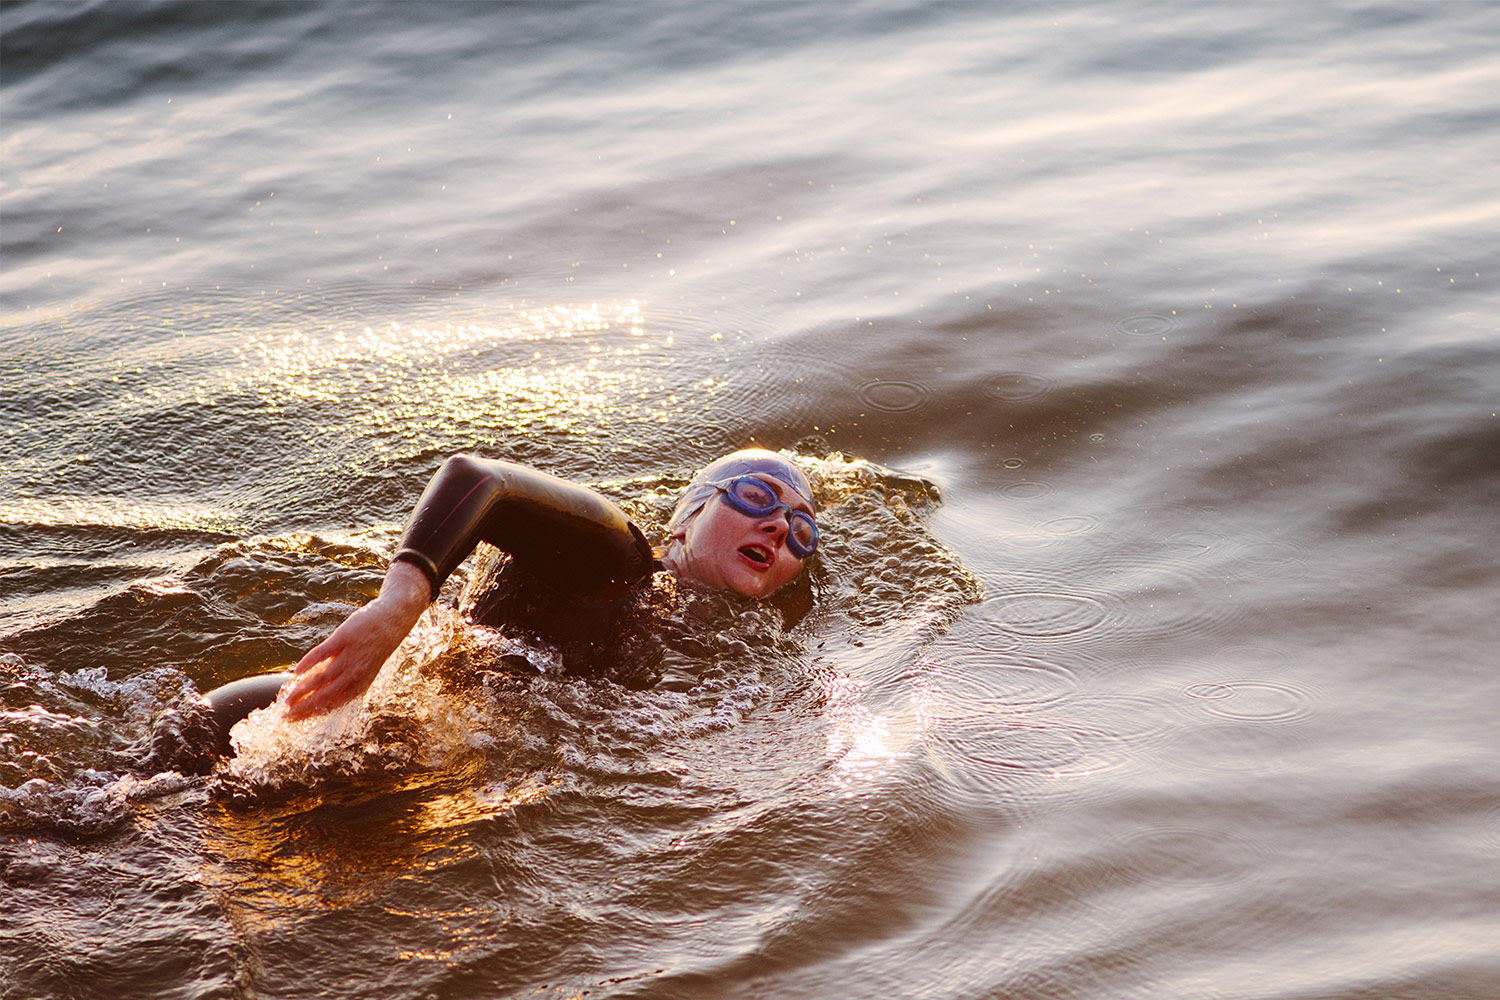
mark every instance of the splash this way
{"type": "Point", "coordinates": [494, 709]}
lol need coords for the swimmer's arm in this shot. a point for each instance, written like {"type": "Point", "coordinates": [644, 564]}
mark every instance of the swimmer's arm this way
{"type": "Point", "coordinates": [342, 667]}
{"type": "Point", "coordinates": [567, 534]}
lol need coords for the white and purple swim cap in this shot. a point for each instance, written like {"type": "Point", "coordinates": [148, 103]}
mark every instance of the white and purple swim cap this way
{"type": "Point", "coordinates": [746, 462]}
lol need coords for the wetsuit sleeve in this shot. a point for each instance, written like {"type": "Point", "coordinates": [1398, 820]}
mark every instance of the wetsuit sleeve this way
{"type": "Point", "coordinates": [566, 534]}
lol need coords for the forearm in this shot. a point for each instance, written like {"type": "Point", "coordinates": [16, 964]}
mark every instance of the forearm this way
{"type": "Point", "coordinates": [448, 520]}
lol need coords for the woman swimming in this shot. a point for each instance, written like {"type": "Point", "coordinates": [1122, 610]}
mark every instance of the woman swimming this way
{"type": "Point", "coordinates": [572, 563]}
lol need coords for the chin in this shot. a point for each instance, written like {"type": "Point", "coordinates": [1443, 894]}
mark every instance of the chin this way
{"type": "Point", "coordinates": [759, 586]}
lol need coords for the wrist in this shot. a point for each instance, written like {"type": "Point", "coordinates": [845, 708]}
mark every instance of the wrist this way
{"type": "Point", "coordinates": [406, 590]}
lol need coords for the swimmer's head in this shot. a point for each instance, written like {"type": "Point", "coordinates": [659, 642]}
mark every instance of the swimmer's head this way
{"type": "Point", "coordinates": [722, 545]}
{"type": "Point", "coordinates": [746, 462]}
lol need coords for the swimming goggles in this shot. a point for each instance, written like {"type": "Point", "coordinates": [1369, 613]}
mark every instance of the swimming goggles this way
{"type": "Point", "coordinates": [755, 498]}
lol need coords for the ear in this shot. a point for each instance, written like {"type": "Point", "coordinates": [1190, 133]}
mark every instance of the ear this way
{"type": "Point", "coordinates": [670, 555]}
{"type": "Point", "coordinates": [660, 552]}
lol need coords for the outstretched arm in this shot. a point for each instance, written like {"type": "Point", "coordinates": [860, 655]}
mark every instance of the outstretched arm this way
{"type": "Point", "coordinates": [342, 666]}
{"type": "Point", "coordinates": [567, 534]}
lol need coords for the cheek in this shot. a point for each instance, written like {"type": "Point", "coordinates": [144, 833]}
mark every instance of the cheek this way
{"type": "Point", "coordinates": [711, 531]}
{"type": "Point", "coordinates": [704, 546]}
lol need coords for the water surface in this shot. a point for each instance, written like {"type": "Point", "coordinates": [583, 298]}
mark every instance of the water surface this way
{"type": "Point", "coordinates": [1153, 655]}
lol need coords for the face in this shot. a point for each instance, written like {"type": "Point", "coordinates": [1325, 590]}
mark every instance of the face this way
{"type": "Point", "coordinates": [721, 547]}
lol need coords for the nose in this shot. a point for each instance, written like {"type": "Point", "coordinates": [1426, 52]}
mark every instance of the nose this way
{"type": "Point", "coordinates": [776, 524]}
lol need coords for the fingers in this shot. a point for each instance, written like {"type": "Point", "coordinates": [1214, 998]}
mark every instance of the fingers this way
{"type": "Point", "coordinates": [313, 701]}
{"type": "Point", "coordinates": [330, 675]}
{"type": "Point", "coordinates": [342, 666]}
{"type": "Point", "coordinates": [312, 693]}
{"type": "Point", "coordinates": [306, 682]}
{"type": "Point", "coordinates": [297, 693]}
{"type": "Point", "coordinates": [325, 650]}
{"type": "Point", "coordinates": [314, 676]}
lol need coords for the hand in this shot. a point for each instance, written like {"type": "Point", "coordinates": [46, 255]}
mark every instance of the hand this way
{"type": "Point", "coordinates": [343, 666]}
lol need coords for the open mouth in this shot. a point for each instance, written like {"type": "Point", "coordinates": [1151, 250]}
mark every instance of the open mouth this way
{"type": "Point", "coordinates": [757, 554]}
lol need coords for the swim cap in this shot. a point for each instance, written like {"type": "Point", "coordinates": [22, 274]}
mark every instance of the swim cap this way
{"type": "Point", "coordinates": [745, 462]}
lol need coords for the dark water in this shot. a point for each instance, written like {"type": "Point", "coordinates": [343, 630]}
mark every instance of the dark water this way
{"type": "Point", "coordinates": [1186, 688]}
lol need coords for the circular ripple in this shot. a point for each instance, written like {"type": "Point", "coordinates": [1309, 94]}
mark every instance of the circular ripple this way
{"type": "Point", "coordinates": [754, 383]}
{"type": "Point", "coordinates": [1210, 691]}
{"type": "Point", "coordinates": [984, 637]}
{"type": "Point", "coordinates": [1031, 540]}
{"type": "Point", "coordinates": [1492, 835]}
{"type": "Point", "coordinates": [1193, 542]}
{"type": "Point", "coordinates": [1016, 387]}
{"type": "Point", "coordinates": [894, 395]}
{"type": "Point", "coordinates": [1137, 721]}
{"type": "Point", "coordinates": [1184, 856]}
{"type": "Point", "coordinates": [1177, 600]}
{"type": "Point", "coordinates": [1044, 615]}
{"type": "Point", "coordinates": [1026, 490]}
{"type": "Point", "coordinates": [1071, 524]}
{"type": "Point", "coordinates": [1269, 555]}
{"type": "Point", "coordinates": [1076, 738]}
{"type": "Point", "coordinates": [1053, 532]}
{"type": "Point", "coordinates": [1253, 701]}
{"type": "Point", "coordinates": [1013, 464]}
{"type": "Point", "coordinates": [1146, 325]}
{"type": "Point", "coordinates": [1073, 740]}
{"type": "Point", "coordinates": [998, 749]}
{"type": "Point", "coordinates": [1011, 682]}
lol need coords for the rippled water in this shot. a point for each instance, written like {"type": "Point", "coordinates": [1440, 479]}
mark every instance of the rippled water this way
{"type": "Point", "coordinates": [1147, 358]}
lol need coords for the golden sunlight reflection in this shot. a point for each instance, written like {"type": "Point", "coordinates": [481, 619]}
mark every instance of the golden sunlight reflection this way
{"type": "Point", "coordinates": [859, 741]}
{"type": "Point", "coordinates": [72, 511]}
{"type": "Point", "coordinates": [277, 866]}
{"type": "Point", "coordinates": [568, 367]}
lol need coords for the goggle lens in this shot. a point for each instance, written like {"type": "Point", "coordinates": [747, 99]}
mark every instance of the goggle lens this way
{"type": "Point", "coordinates": [755, 498]}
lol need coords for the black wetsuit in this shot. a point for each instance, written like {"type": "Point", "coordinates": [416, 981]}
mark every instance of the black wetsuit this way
{"type": "Point", "coordinates": [564, 535]}
{"type": "Point", "coordinates": [567, 569]}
